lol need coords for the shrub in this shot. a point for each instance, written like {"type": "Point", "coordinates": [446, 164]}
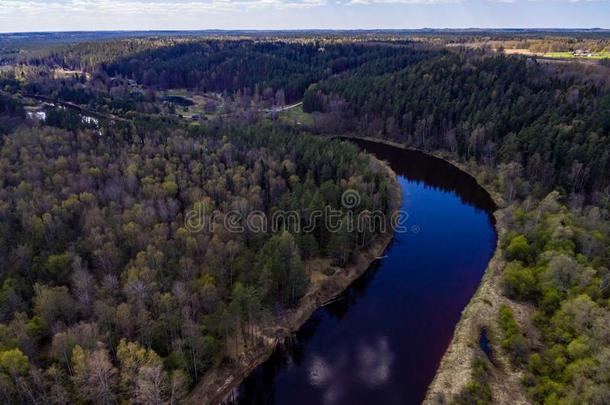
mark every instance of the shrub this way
{"type": "Point", "coordinates": [519, 249]}
{"type": "Point", "coordinates": [519, 282]}
{"type": "Point", "coordinates": [477, 391]}
{"type": "Point", "coordinates": [513, 341]}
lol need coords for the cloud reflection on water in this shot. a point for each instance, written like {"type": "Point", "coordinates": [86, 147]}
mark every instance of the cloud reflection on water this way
{"type": "Point", "coordinates": [369, 364]}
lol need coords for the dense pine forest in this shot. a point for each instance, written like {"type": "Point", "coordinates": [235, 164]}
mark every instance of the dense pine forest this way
{"type": "Point", "coordinates": [552, 121]}
{"type": "Point", "coordinates": [107, 297]}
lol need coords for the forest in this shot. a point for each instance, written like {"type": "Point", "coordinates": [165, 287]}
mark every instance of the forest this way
{"type": "Point", "coordinates": [102, 281]}
{"type": "Point", "coordinates": [228, 65]}
{"type": "Point", "coordinates": [550, 121]}
{"type": "Point", "coordinates": [558, 260]}
{"type": "Point", "coordinates": [106, 296]}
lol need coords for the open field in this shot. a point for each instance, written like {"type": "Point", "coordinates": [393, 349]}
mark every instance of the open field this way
{"type": "Point", "coordinates": [296, 116]}
{"type": "Point", "coordinates": [519, 48]}
{"type": "Point", "coordinates": [519, 51]}
{"type": "Point", "coordinates": [203, 104]}
{"type": "Point", "coordinates": [570, 55]}
{"type": "Point", "coordinates": [556, 55]}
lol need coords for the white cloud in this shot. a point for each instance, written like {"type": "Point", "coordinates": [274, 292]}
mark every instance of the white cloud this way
{"type": "Point", "coordinates": [134, 7]}
{"type": "Point", "coordinates": [548, 1]}
{"type": "Point", "coordinates": [369, 2]}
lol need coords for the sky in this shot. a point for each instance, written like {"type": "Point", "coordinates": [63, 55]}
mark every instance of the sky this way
{"type": "Point", "coordinates": [89, 15]}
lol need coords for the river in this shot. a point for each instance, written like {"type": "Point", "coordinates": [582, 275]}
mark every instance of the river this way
{"type": "Point", "coordinates": [382, 342]}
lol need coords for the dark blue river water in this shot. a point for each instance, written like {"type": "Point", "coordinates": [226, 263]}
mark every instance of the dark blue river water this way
{"type": "Point", "coordinates": [383, 341]}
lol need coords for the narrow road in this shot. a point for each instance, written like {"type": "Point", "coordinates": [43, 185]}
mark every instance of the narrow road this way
{"type": "Point", "coordinates": [289, 107]}
{"type": "Point", "coordinates": [269, 110]}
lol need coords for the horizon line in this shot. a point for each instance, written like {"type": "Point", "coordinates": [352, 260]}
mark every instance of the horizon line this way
{"type": "Point", "coordinates": [422, 29]}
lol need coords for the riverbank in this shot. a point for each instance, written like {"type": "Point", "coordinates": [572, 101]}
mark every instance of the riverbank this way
{"type": "Point", "coordinates": [218, 384]}
{"type": "Point", "coordinates": [481, 314]}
